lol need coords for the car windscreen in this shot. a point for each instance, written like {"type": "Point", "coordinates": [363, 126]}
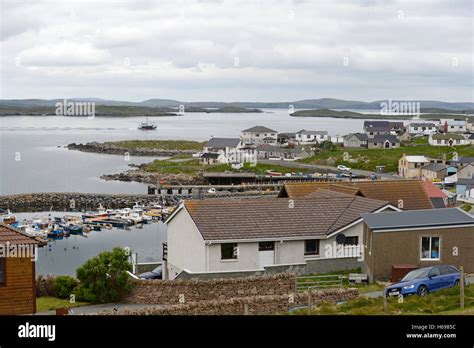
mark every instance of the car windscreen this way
{"type": "Point", "coordinates": [417, 274]}
{"type": "Point", "coordinates": [157, 270]}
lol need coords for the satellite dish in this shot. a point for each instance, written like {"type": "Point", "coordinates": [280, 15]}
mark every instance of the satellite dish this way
{"type": "Point", "coordinates": [340, 239]}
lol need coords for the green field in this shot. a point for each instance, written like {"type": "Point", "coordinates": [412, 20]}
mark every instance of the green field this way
{"type": "Point", "coordinates": [192, 167]}
{"type": "Point", "coordinates": [367, 159]}
{"type": "Point", "coordinates": [159, 144]}
{"type": "Point", "coordinates": [441, 302]}
{"type": "Point", "coordinates": [47, 303]}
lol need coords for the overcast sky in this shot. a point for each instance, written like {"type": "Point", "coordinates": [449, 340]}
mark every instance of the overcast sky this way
{"type": "Point", "coordinates": [238, 50]}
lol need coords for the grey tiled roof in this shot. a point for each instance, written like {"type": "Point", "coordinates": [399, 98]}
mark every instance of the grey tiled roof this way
{"type": "Point", "coordinates": [259, 129]}
{"type": "Point", "coordinates": [360, 136]}
{"type": "Point", "coordinates": [435, 167]}
{"type": "Point", "coordinates": [418, 219]}
{"type": "Point", "coordinates": [223, 142]}
{"type": "Point", "coordinates": [382, 138]}
{"type": "Point", "coordinates": [224, 219]}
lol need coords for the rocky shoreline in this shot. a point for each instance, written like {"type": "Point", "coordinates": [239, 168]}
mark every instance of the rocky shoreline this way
{"type": "Point", "coordinates": [142, 176]}
{"type": "Point", "coordinates": [112, 149]}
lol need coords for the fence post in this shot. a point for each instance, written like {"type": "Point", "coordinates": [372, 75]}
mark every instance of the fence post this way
{"type": "Point", "coordinates": [385, 299]}
{"type": "Point", "coordinates": [246, 309]}
{"type": "Point", "coordinates": [461, 287]}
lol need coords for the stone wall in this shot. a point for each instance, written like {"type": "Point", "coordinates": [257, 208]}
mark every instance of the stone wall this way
{"type": "Point", "coordinates": [319, 266]}
{"type": "Point", "coordinates": [185, 291]}
{"type": "Point", "coordinates": [250, 305]}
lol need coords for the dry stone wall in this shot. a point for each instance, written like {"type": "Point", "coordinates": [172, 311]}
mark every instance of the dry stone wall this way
{"type": "Point", "coordinates": [185, 291]}
{"type": "Point", "coordinates": [250, 305]}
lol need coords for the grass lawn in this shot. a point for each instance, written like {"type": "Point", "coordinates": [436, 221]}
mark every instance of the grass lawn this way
{"type": "Point", "coordinates": [159, 144]}
{"type": "Point", "coordinates": [367, 159]}
{"type": "Point", "coordinates": [47, 303]}
{"type": "Point", "coordinates": [441, 302]}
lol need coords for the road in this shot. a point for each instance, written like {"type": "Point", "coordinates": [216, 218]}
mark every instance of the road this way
{"type": "Point", "coordinates": [94, 309]}
{"type": "Point", "coordinates": [324, 169]}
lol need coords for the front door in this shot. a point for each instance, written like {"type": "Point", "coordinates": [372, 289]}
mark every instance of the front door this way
{"type": "Point", "coordinates": [266, 254]}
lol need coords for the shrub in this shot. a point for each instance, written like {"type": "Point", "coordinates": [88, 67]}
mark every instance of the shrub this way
{"type": "Point", "coordinates": [44, 285]}
{"type": "Point", "coordinates": [64, 286]}
{"type": "Point", "coordinates": [103, 278]}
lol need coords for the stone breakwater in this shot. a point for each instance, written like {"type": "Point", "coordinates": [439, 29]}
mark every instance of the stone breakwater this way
{"type": "Point", "coordinates": [113, 149]}
{"type": "Point", "coordinates": [36, 202]}
{"type": "Point", "coordinates": [65, 201]}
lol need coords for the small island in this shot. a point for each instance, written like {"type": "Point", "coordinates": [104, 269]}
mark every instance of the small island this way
{"type": "Point", "coordinates": [121, 111]}
{"type": "Point", "coordinates": [433, 115]}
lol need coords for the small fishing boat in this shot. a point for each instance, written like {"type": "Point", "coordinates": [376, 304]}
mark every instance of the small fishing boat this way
{"type": "Point", "coordinates": [7, 217]}
{"type": "Point", "coordinates": [74, 229]}
{"type": "Point", "coordinates": [147, 125]}
{"type": "Point", "coordinates": [56, 234]}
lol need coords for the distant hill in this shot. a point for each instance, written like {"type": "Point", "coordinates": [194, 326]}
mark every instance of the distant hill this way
{"type": "Point", "coordinates": [432, 106]}
{"type": "Point", "coordinates": [328, 113]}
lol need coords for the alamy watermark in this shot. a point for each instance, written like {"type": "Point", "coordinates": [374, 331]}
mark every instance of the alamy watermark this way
{"type": "Point", "coordinates": [395, 108]}
{"type": "Point", "coordinates": [74, 108]}
{"type": "Point", "coordinates": [337, 250]}
{"type": "Point", "coordinates": [9, 250]}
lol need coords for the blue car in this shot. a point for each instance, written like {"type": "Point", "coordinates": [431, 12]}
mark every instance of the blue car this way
{"type": "Point", "coordinates": [422, 281]}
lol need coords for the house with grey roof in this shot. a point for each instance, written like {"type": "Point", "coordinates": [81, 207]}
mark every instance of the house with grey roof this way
{"type": "Point", "coordinates": [462, 161]}
{"type": "Point", "coordinates": [434, 171]}
{"type": "Point", "coordinates": [311, 137]}
{"type": "Point", "coordinates": [453, 126]}
{"type": "Point", "coordinates": [465, 189]}
{"type": "Point", "coordinates": [267, 151]}
{"type": "Point", "coordinates": [373, 128]}
{"type": "Point", "coordinates": [383, 141]}
{"type": "Point", "coordinates": [423, 128]}
{"type": "Point", "coordinates": [420, 238]}
{"type": "Point", "coordinates": [466, 172]}
{"type": "Point", "coordinates": [259, 135]}
{"type": "Point", "coordinates": [222, 144]}
{"type": "Point", "coordinates": [447, 139]}
{"type": "Point", "coordinates": [209, 158]}
{"type": "Point", "coordinates": [227, 148]}
{"type": "Point", "coordinates": [254, 236]}
{"type": "Point", "coordinates": [356, 140]}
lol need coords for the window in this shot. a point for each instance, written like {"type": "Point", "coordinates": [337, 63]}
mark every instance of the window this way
{"type": "Point", "coordinates": [434, 272]}
{"type": "Point", "coordinates": [265, 246]}
{"type": "Point", "coordinates": [351, 240]}
{"type": "Point", "coordinates": [447, 269]}
{"type": "Point", "coordinates": [430, 248]}
{"type": "Point", "coordinates": [229, 251]}
{"type": "Point", "coordinates": [311, 247]}
{"type": "Point", "coordinates": [2, 270]}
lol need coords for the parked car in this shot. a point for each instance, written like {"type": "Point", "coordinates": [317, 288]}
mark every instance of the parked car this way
{"type": "Point", "coordinates": [422, 281]}
{"type": "Point", "coordinates": [211, 190]}
{"type": "Point", "coordinates": [343, 168]}
{"type": "Point", "coordinates": [156, 273]}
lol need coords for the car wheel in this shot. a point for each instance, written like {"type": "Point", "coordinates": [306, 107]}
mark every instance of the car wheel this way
{"type": "Point", "coordinates": [422, 290]}
{"type": "Point", "coordinates": [456, 283]}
